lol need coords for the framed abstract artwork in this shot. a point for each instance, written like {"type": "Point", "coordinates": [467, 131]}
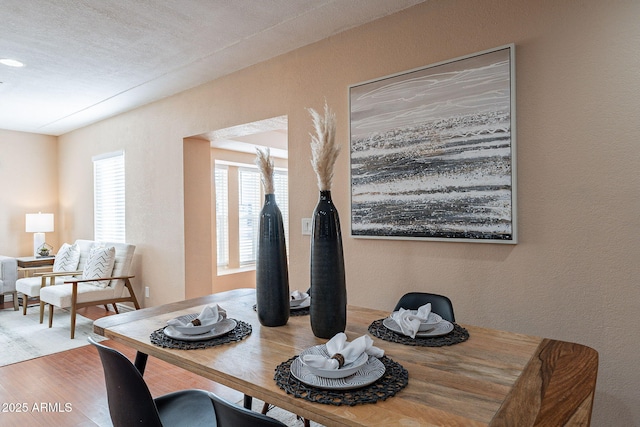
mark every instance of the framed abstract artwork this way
{"type": "Point", "coordinates": [433, 153]}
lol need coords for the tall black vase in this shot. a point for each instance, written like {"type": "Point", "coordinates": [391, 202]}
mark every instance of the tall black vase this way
{"type": "Point", "coordinates": [272, 274]}
{"type": "Point", "coordinates": [328, 289]}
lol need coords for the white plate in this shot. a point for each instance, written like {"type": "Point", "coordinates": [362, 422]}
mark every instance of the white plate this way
{"type": "Point", "coordinates": [442, 328]}
{"type": "Point", "coordinates": [192, 330]}
{"type": "Point", "coordinates": [370, 372]}
{"type": "Point", "coordinates": [344, 371]}
{"type": "Point", "coordinates": [304, 304]}
{"type": "Point", "coordinates": [219, 329]}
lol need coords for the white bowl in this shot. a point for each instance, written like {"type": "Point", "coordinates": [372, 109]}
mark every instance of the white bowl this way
{"type": "Point", "coordinates": [344, 371]}
{"type": "Point", "coordinates": [297, 302]}
{"type": "Point", "coordinates": [193, 330]}
{"type": "Point", "coordinates": [432, 321]}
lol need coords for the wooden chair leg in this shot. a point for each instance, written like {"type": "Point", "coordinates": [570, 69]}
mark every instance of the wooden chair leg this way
{"type": "Point", "coordinates": [73, 321]}
{"type": "Point", "coordinates": [115, 308]}
{"type": "Point", "coordinates": [41, 309]}
{"type": "Point", "coordinates": [25, 299]}
{"type": "Point", "coordinates": [50, 315]}
{"type": "Point", "coordinates": [15, 301]}
{"type": "Point", "coordinates": [132, 294]}
{"type": "Point", "coordinates": [265, 408]}
{"type": "Point", "coordinates": [74, 301]}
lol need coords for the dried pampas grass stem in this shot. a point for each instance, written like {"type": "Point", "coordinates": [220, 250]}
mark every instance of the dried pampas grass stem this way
{"type": "Point", "coordinates": [324, 150]}
{"type": "Point", "coordinates": [265, 164]}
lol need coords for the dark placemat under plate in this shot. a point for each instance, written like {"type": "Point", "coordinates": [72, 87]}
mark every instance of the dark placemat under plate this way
{"type": "Point", "coordinates": [394, 379]}
{"type": "Point", "coordinates": [292, 313]}
{"type": "Point", "coordinates": [300, 312]}
{"type": "Point", "coordinates": [458, 335]}
{"type": "Point", "coordinates": [241, 331]}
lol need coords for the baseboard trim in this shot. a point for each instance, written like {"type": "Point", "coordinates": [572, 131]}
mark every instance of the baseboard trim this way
{"type": "Point", "coordinates": [122, 308]}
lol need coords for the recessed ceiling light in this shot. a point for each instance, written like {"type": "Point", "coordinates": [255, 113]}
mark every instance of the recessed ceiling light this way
{"type": "Point", "coordinates": [11, 62]}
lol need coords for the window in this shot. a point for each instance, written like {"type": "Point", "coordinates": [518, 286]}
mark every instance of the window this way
{"type": "Point", "coordinates": [222, 213]}
{"type": "Point", "coordinates": [240, 197]}
{"type": "Point", "coordinates": [249, 214]}
{"type": "Point", "coordinates": [108, 197]}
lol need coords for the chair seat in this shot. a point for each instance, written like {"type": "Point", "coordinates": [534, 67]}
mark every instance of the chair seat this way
{"type": "Point", "coordinates": [30, 286]}
{"type": "Point", "coordinates": [60, 295]}
{"type": "Point", "coordinates": [192, 408]}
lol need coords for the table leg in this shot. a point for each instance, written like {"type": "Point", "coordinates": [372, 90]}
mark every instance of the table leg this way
{"type": "Point", "coordinates": [248, 400]}
{"type": "Point", "coordinates": [141, 362]}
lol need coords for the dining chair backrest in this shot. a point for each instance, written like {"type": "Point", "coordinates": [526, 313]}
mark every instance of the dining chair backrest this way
{"type": "Point", "coordinates": [232, 415]}
{"type": "Point", "coordinates": [440, 304]}
{"type": "Point", "coordinates": [127, 393]}
{"type": "Point", "coordinates": [131, 403]}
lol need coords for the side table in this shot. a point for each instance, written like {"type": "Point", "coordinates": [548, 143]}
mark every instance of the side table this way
{"type": "Point", "coordinates": [32, 264]}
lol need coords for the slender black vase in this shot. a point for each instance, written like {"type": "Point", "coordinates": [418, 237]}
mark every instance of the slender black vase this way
{"type": "Point", "coordinates": [272, 274]}
{"type": "Point", "coordinates": [328, 289]}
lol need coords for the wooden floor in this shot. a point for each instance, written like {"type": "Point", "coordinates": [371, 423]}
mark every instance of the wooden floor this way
{"type": "Point", "coordinates": [67, 389]}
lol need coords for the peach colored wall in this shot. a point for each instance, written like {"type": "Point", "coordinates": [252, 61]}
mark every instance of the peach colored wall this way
{"type": "Point", "coordinates": [28, 184]}
{"type": "Point", "coordinates": [198, 219]}
{"type": "Point", "coordinates": [245, 279]}
{"type": "Point", "coordinates": [575, 273]}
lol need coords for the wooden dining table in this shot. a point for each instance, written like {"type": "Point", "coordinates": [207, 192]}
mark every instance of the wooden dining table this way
{"type": "Point", "coordinates": [494, 378]}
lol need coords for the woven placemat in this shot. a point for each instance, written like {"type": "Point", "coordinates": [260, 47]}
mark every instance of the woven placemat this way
{"type": "Point", "coordinates": [292, 313]}
{"type": "Point", "coordinates": [394, 379]}
{"type": "Point", "coordinates": [238, 333]}
{"type": "Point", "coordinates": [300, 312]}
{"type": "Point", "coordinates": [458, 335]}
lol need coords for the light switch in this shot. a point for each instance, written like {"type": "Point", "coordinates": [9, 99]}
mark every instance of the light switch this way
{"type": "Point", "coordinates": [306, 226]}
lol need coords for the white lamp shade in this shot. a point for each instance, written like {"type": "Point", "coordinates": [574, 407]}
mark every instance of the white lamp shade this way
{"type": "Point", "coordinates": [39, 223]}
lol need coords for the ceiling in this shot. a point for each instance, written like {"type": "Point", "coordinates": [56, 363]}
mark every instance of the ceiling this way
{"type": "Point", "coordinates": [270, 133]}
{"type": "Point", "coordinates": [91, 59]}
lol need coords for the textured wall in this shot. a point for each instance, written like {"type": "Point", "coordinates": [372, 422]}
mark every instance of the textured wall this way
{"type": "Point", "coordinates": [29, 182]}
{"type": "Point", "coordinates": [574, 274]}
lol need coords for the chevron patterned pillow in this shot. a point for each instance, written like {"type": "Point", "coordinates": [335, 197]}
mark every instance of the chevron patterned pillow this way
{"type": "Point", "coordinates": [99, 264]}
{"type": "Point", "coordinates": [67, 258]}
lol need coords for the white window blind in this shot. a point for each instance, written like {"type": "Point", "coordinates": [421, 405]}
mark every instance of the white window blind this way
{"type": "Point", "coordinates": [247, 199]}
{"type": "Point", "coordinates": [222, 214]}
{"type": "Point", "coordinates": [249, 213]}
{"type": "Point", "coordinates": [109, 197]}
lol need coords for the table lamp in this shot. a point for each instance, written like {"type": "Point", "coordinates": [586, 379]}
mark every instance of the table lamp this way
{"type": "Point", "coordinates": [38, 224]}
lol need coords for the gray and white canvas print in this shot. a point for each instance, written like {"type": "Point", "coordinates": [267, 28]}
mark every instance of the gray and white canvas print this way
{"type": "Point", "coordinates": [432, 152]}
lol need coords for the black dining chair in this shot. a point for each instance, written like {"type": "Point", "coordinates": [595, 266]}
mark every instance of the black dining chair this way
{"type": "Point", "coordinates": [131, 403]}
{"type": "Point", "coordinates": [439, 304]}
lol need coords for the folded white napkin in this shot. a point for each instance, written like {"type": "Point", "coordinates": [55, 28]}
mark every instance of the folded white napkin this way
{"type": "Point", "coordinates": [210, 314]}
{"type": "Point", "coordinates": [410, 323]}
{"type": "Point", "coordinates": [297, 295]}
{"type": "Point", "coordinates": [349, 350]}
